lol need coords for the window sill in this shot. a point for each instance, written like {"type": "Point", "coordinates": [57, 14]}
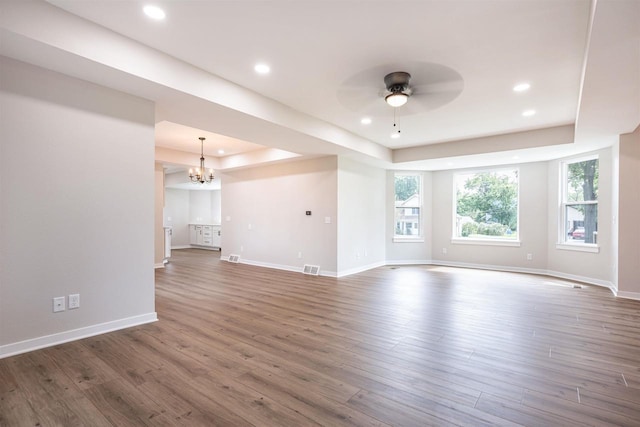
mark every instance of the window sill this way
{"type": "Point", "coordinates": [583, 247]}
{"type": "Point", "coordinates": [486, 242]}
{"type": "Point", "coordinates": [408, 240]}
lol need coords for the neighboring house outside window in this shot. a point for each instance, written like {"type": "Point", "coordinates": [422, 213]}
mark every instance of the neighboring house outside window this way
{"type": "Point", "coordinates": [408, 206]}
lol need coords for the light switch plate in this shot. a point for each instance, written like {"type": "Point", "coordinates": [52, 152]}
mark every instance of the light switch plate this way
{"type": "Point", "coordinates": [74, 301]}
{"type": "Point", "coordinates": [58, 304]}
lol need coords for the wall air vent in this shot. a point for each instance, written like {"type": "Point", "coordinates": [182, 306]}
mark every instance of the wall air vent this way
{"type": "Point", "coordinates": [312, 270]}
{"type": "Point", "coordinates": [234, 258]}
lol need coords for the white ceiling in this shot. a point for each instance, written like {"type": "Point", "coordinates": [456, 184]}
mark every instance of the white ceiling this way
{"type": "Point", "coordinates": [184, 138]}
{"type": "Point", "coordinates": [328, 60]}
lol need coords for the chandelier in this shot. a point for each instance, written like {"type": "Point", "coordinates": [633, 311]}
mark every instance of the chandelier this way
{"type": "Point", "coordinates": [199, 175]}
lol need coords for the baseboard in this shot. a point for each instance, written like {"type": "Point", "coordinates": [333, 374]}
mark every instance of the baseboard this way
{"type": "Point", "coordinates": [181, 247]}
{"type": "Point", "coordinates": [539, 271]}
{"type": "Point", "coordinates": [408, 262]}
{"type": "Point", "coordinates": [74, 334]}
{"type": "Point", "coordinates": [279, 266]}
{"type": "Point", "coordinates": [628, 295]}
{"type": "Point", "coordinates": [161, 265]}
{"type": "Point", "coordinates": [361, 269]}
{"type": "Point", "coordinates": [542, 272]}
{"type": "Point", "coordinates": [583, 279]}
{"type": "Point", "coordinates": [206, 248]}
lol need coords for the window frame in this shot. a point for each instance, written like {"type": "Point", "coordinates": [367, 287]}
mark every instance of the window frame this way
{"type": "Point", "coordinates": [455, 239]}
{"type": "Point", "coordinates": [562, 242]}
{"type": "Point", "coordinates": [415, 238]}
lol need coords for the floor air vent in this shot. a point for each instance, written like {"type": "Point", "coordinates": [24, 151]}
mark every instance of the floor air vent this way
{"type": "Point", "coordinates": [234, 258]}
{"type": "Point", "coordinates": [312, 270]}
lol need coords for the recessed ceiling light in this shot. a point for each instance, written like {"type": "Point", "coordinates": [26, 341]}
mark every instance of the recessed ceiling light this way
{"type": "Point", "coordinates": [521, 87]}
{"type": "Point", "coordinates": [449, 163]}
{"type": "Point", "coordinates": [154, 12]}
{"type": "Point", "coordinates": [395, 135]}
{"type": "Point", "coordinates": [220, 151]}
{"type": "Point", "coordinates": [366, 120]}
{"type": "Point", "coordinates": [262, 68]}
{"type": "Point", "coordinates": [515, 157]}
{"type": "Point", "coordinates": [528, 113]}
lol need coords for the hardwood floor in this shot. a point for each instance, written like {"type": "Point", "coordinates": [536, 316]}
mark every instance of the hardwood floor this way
{"type": "Point", "coordinates": [239, 345]}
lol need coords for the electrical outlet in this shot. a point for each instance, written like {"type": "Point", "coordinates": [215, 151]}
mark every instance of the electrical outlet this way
{"type": "Point", "coordinates": [58, 304]}
{"type": "Point", "coordinates": [299, 254]}
{"type": "Point", "coordinates": [444, 250]}
{"type": "Point", "coordinates": [241, 248]}
{"type": "Point", "coordinates": [529, 257]}
{"type": "Point", "coordinates": [74, 301]}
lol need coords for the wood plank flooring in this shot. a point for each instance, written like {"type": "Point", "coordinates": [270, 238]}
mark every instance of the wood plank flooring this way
{"type": "Point", "coordinates": [238, 345]}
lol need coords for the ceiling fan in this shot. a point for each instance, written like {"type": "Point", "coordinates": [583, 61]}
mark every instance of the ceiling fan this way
{"type": "Point", "coordinates": [429, 86]}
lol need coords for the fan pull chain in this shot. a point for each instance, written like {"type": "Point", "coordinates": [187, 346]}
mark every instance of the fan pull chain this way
{"type": "Point", "coordinates": [396, 124]}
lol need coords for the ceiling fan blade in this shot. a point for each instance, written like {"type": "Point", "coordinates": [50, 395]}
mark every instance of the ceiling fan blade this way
{"type": "Point", "coordinates": [364, 100]}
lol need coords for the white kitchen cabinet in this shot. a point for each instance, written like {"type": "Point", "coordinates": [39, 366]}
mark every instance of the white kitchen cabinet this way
{"type": "Point", "coordinates": [193, 234]}
{"type": "Point", "coordinates": [204, 235]}
{"type": "Point", "coordinates": [216, 240]}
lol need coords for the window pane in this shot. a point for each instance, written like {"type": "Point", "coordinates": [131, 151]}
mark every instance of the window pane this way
{"type": "Point", "coordinates": [408, 204]}
{"type": "Point", "coordinates": [407, 222]}
{"type": "Point", "coordinates": [582, 181]}
{"type": "Point", "coordinates": [487, 205]}
{"type": "Point", "coordinates": [581, 223]}
{"type": "Point", "coordinates": [580, 216]}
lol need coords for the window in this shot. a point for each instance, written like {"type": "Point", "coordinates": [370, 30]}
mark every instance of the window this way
{"type": "Point", "coordinates": [579, 206]}
{"type": "Point", "coordinates": [408, 206]}
{"type": "Point", "coordinates": [486, 205]}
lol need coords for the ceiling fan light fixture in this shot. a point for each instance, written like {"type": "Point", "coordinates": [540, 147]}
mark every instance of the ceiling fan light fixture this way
{"type": "Point", "coordinates": [396, 99]}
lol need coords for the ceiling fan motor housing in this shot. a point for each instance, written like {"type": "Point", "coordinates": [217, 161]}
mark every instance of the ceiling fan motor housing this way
{"type": "Point", "coordinates": [397, 81]}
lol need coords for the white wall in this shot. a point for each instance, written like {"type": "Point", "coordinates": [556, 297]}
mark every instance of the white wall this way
{"type": "Point", "coordinates": [158, 215]}
{"type": "Point", "coordinates": [216, 206]}
{"type": "Point", "coordinates": [77, 175]}
{"type": "Point", "coordinates": [409, 252]}
{"type": "Point", "coordinates": [204, 207]}
{"type": "Point", "coordinates": [267, 205]}
{"type": "Point", "coordinates": [532, 224]}
{"type": "Point", "coordinates": [628, 277]}
{"type": "Point", "coordinates": [176, 215]}
{"type": "Point", "coordinates": [361, 216]}
{"type": "Point", "coordinates": [595, 267]}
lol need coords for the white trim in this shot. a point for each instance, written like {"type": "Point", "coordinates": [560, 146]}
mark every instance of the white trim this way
{"type": "Point", "coordinates": [181, 247]}
{"type": "Point", "coordinates": [628, 295]}
{"type": "Point", "coordinates": [75, 334]}
{"type": "Point", "coordinates": [408, 240]}
{"type": "Point", "coordinates": [280, 266]}
{"type": "Point", "coordinates": [161, 265]}
{"type": "Point", "coordinates": [207, 248]}
{"type": "Point", "coordinates": [589, 280]}
{"type": "Point", "coordinates": [488, 267]}
{"type": "Point", "coordinates": [542, 272]}
{"type": "Point", "coordinates": [584, 247]}
{"type": "Point", "coordinates": [360, 269]}
{"type": "Point", "coordinates": [485, 242]}
{"type": "Point", "coordinates": [409, 262]}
